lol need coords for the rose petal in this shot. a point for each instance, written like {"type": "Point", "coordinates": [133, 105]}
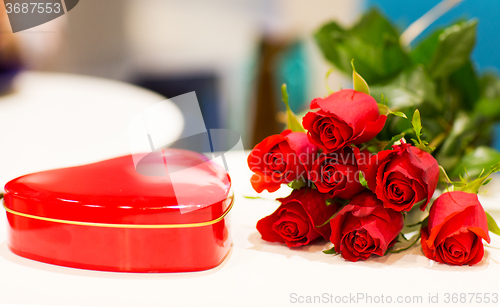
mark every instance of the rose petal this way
{"type": "Point", "coordinates": [430, 169]}
{"type": "Point", "coordinates": [452, 204]}
{"type": "Point", "coordinates": [314, 204]}
{"type": "Point", "coordinates": [329, 175]}
{"type": "Point", "coordinates": [354, 108]}
{"type": "Point", "coordinates": [265, 228]}
{"type": "Point", "coordinates": [292, 227]}
{"type": "Point", "coordinates": [429, 253]}
{"type": "Point", "coordinates": [365, 218]}
{"type": "Point", "coordinates": [456, 226]}
{"type": "Point", "coordinates": [302, 147]}
{"type": "Point", "coordinates": [477, 252]}
{"type": "Point", "coordinates": [417, 167]}
{"type": "Point", "coordinates": [371, 130]}
{"type": "Point", "coordinates": [371, 168]}
{"type": "Point", "coordinates": [280, 159]}
{"type": "Point", "coordinates": [260, 183]}
{"type": "Point", "coordinates": [343, 118]}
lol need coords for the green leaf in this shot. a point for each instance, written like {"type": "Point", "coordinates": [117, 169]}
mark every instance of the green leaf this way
{"type": "Point", "coordinates": [417, 125]}
{"type": "Point", "coordinates": [461, 134]}
{"type": "Point", "coordinates": [252, 197]}
{"type": "Point", "coordinates": [492, 225]}
{"type": "Point", "coordinates": [362, 180]}
{"type": "Point", "coordinates": [445, 51]}
{"type": "Point", "coordinates": [464, 82]}
{"type": "Point", "coordinates": [487, 109]}
{"type": "Point", "coordinates": [337, 200]}
{"type": "Point", "coordinates": [399, 114]}
{"type": "Point", "coordinates": [424, 51]}
{"type": "Point", "coordinates": [330, 251]}
{"type": "Point", "coordinates": [359, 83]}
{"type": "Point", "coordinates": [384, 110]}
{"type": "Point", "coordinates": [373, 42]}
{"type": "Point", "coordinates": [495, 168]}
{"type": "Point", "coordinates": [443, 177]}
{"type": "Point", "coordinates": [472, 186]}
{"type": "Point", "coordinates": [475, 161]}
{"type": "Point", "coordinates": [297, 184]}
{"type": "Point", "coordinates": [330, 39]}
{"type": "Point", "coordinates": [455, 46]}
{"type": "Point", "coordinates": [394, 140]}
{"type": "Point", "coordinates": [293, 122]}
{"type": "Point", "coordinates": [411, 88]}
{"type": "Point", "coordinates": [490, 86]}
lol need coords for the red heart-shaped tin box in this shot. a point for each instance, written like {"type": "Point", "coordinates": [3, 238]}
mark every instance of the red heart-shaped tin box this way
{"type": "Point", "coordinates": [110, 216]}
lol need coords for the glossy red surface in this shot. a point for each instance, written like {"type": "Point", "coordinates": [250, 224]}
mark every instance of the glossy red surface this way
{"type": "Point", "coordinates": [114, 192]}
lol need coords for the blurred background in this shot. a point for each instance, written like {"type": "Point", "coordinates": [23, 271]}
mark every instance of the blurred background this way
{"type": "Point", "coordinates": [234, 53]}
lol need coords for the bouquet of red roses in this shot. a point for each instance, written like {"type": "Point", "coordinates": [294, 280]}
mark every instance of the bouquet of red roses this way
{"type": "Point", "coordinates": [355, 190]}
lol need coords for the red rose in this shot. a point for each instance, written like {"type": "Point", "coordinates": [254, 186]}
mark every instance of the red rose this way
{"type": "Point", "coordinates": [364, 227]}
{"type": "Point", "coordinates": [280, 159]}
{"type": "Point", "coordinates": [345, 117]}
{"type": "Point", "coordinates": [402, 177]}
{"type": "Point", "coordinates": [337, 173]}
{"type": "Point", "coordinates": [456, 225]}
{"type": "Point", "coordinates": [294, 222]}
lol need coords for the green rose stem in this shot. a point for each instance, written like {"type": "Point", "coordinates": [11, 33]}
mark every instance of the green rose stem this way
{"type": "Point", "coordinates": [399, 250]}
{"type": "Point", "coordinates": [292, 121]}
{"type": "Point", "coordinates": [328, 73]}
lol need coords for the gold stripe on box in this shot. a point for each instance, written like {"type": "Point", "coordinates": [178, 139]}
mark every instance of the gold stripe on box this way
{"type": "Point", "coordinates": [143, 226]}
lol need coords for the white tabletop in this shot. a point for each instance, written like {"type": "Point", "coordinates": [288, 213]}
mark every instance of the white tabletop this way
{"type": "Point", "coordinates": [54, 120]}
{"type": "Point", "coordinates": [255, 273]}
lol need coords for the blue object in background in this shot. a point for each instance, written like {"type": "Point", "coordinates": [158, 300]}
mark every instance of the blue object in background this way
{"type": "Point", "coordinates": [486, 54]}
{"type": "Point", "coordinates": [291, 69]}
{"type": "Point", "coordinates": [204, 84]}
{"type": "Point", "coordinates": [496, 137]}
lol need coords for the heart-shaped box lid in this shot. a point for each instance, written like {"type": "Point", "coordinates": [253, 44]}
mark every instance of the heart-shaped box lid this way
{"type": "Point", "coordinates": [171, 186]}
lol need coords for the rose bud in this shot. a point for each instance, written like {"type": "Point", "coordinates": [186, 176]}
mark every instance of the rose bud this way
{"type": "Point", "coordinates": [336, 173]}
{"type": "Point", "coordinates": [456, 226]}
{"type": "Point", "coordinates": [402, 177]}
{"type": "Point", "coordinates": [345, 117]}
{"type": "Point", "coordinates": [364, 228]}
{"type": "Point", "coordinates": [280, 159]}
{"type": "Point", "coordinates": [294, 222]}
